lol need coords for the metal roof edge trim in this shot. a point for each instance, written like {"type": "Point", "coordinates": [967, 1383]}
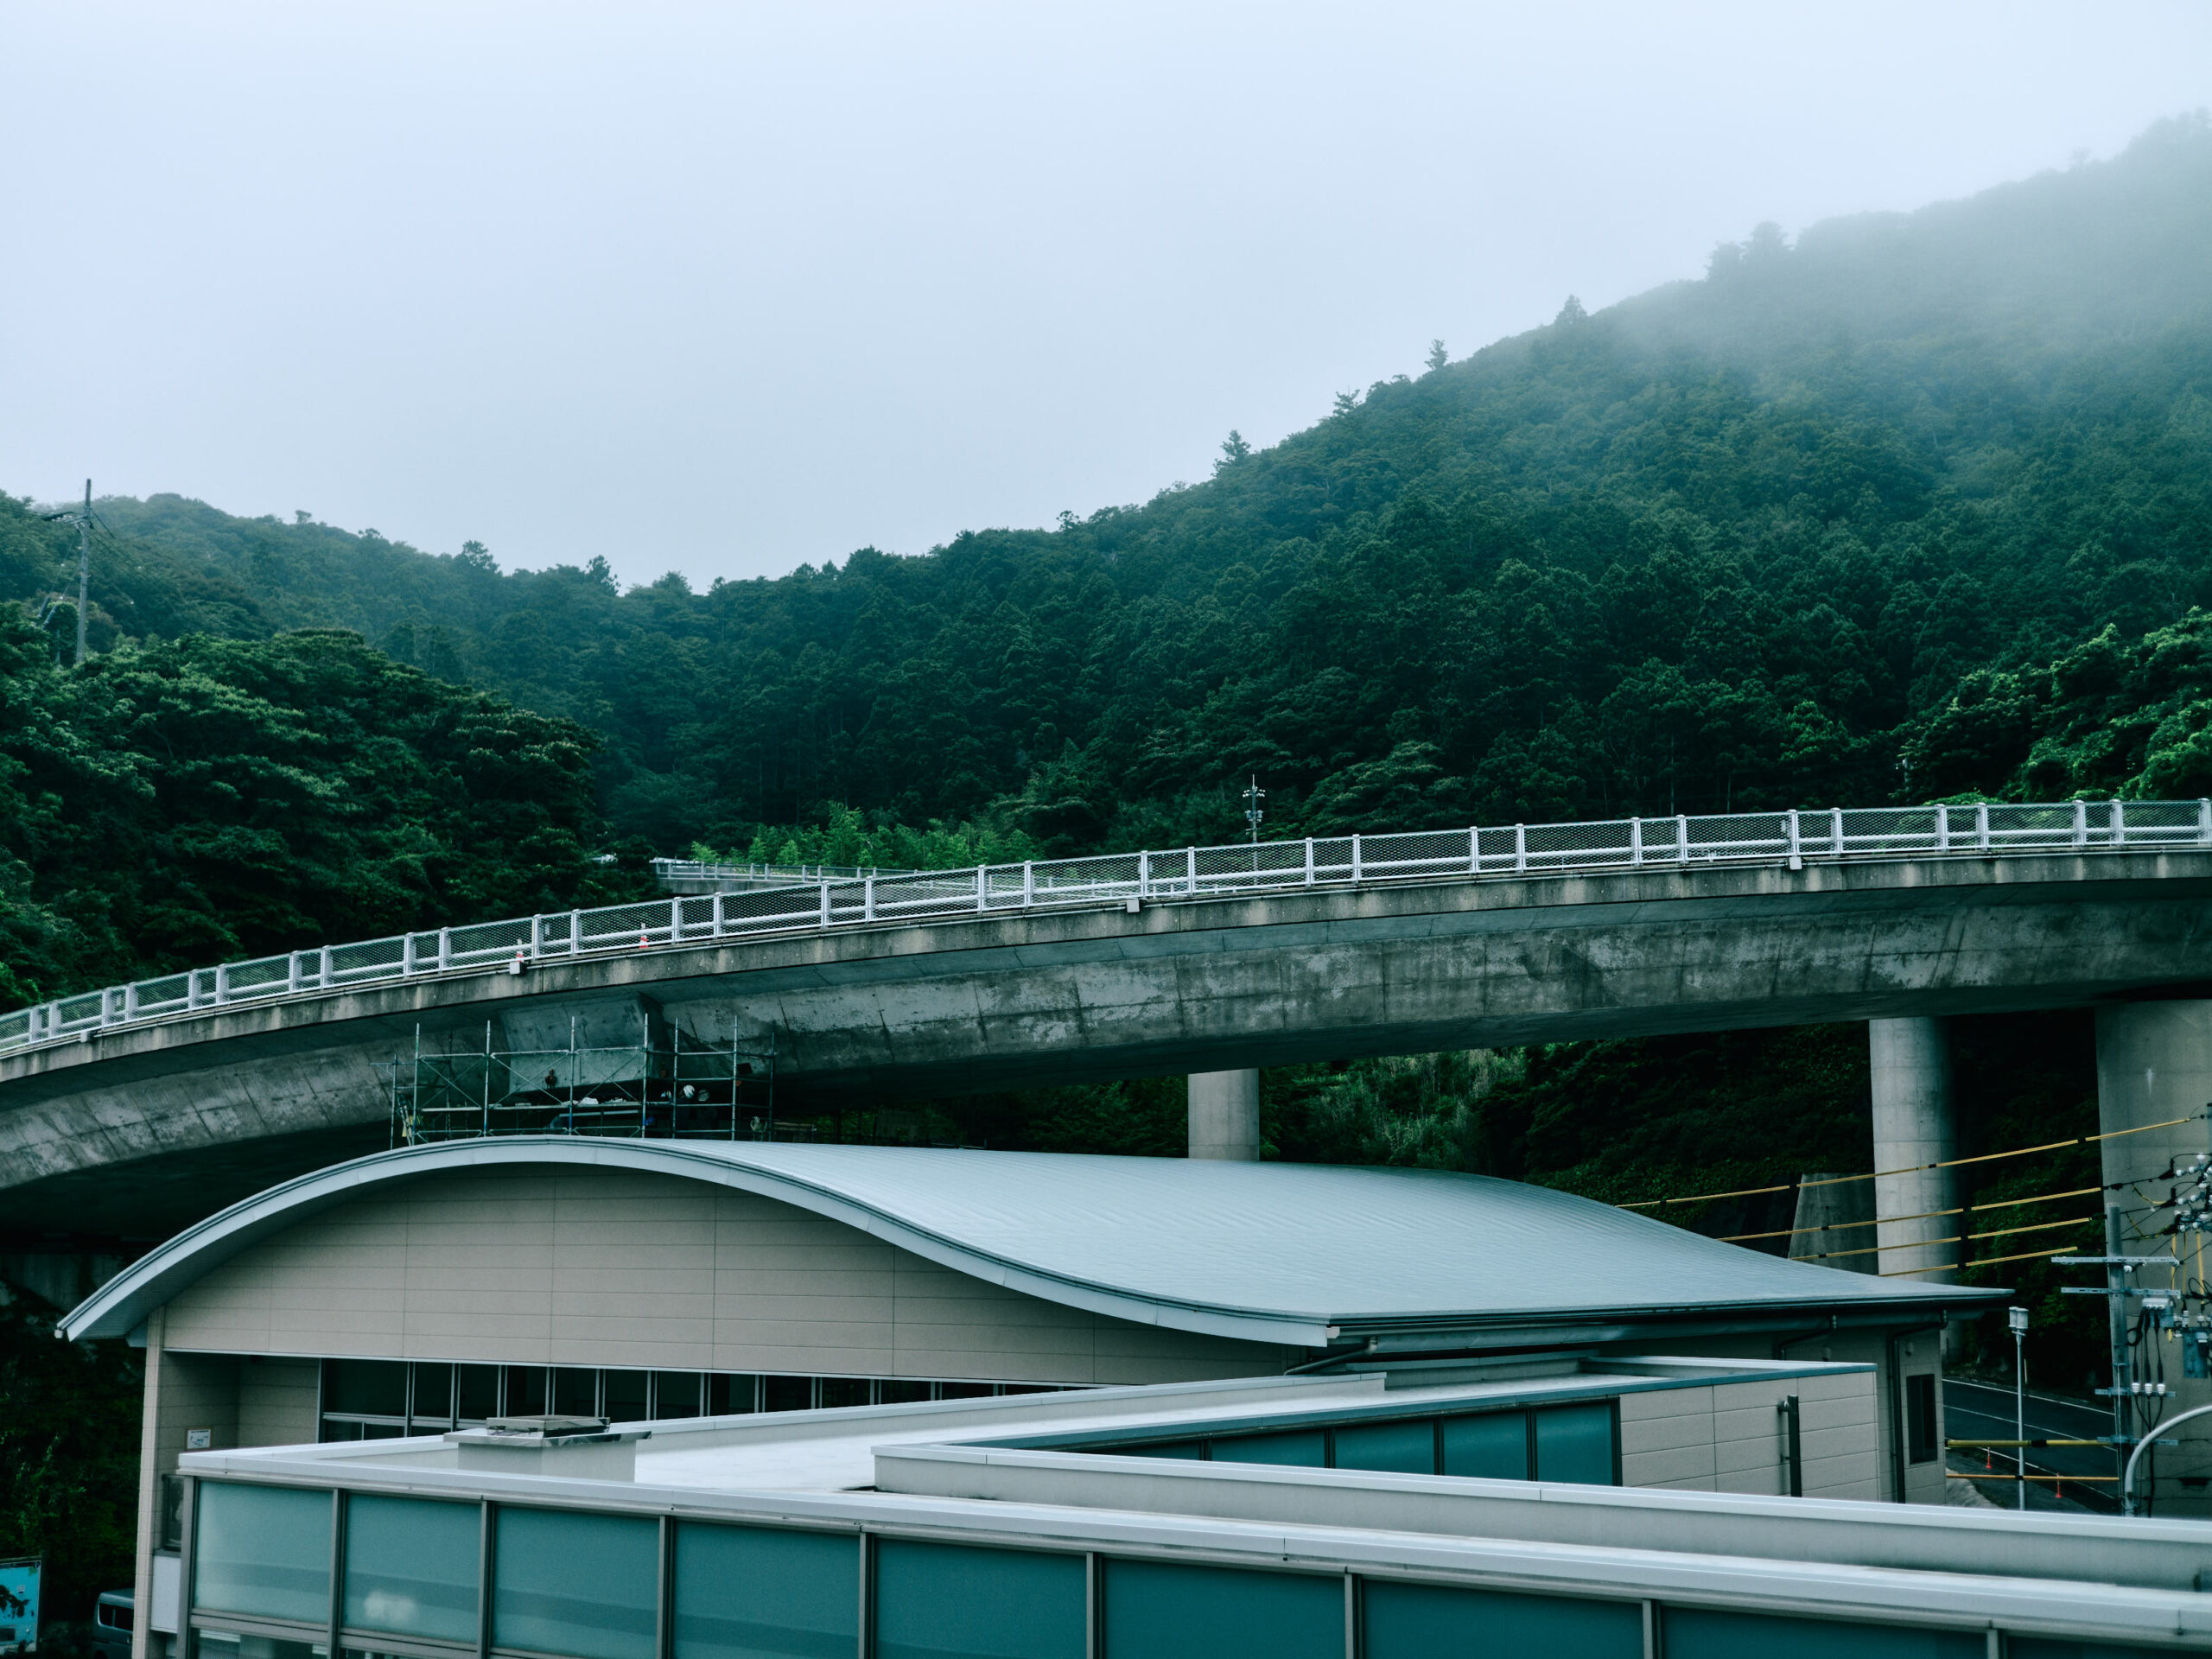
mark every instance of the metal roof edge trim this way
{"type": "Point", "coordinates": [125, 1301]}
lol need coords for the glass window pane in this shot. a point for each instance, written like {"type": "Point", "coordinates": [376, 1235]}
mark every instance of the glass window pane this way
{"type": "Point", "coordinates": [676, 1394]}
{"type": "Point", "coordinates": [1575, 1443]}
{"type": "Point", "coordinates": [963, 1391]}
{"type": "Point", "coordinates": [367, 1388]}
{"type": "Point", "coordinates": [748, 1592]}
{"type": "Point", "coordinates": [479, 1392]}
{"type": "Point", "coordinates": [229, 1644]}
{"type": "Point", "coordinates": [2044, 1647]}
{"type": "Point", "coordinates": [1155, 1611]}
{"type": "Point", "coordinates": [1704, 1633]}
{"type": "Point", "coordinates": [1417, 1621]}
{"type": "Point", "coordinates": [789, 1393]}
{"type": "Point", "coordinates": [526, 1391]}
{"type": "Point", "coordinates": [947, 1601]}
{"type": "Point", "coordinates": [1307, 1448]}
{"type": "Point", "coordinates": [1160, 1449]}
{"type": "Point", "coordinates": [1400, 1448]}
{"type": "Point", "coordinates": [263, 1550]}
{"type": "Point", "coordinates": [901, 1390]}
{"type": "Point", "coordinates": [567, 1582]}
{"type": "Point", "coordinates": [575, 1392]}
{"type": "Point", "coordinates": [728, 1395]}
{"type": "Point", "coordinates": [433, 1392]}
{"type": "Point", "coordinates": [844, 1390]}
{"type": "Point", "coordinates": [626, 1396]}
{"type": "Point", "coordinates": [410, 1567]}
{"type": "Point", "coordinates": [1493, 1446]}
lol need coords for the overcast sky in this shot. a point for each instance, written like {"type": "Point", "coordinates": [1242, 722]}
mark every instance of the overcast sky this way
{"type": "Point", "coordinates": [725, 290]}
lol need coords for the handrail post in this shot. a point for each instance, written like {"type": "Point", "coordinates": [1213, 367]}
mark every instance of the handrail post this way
{"type": "Point", "coordinates": [1475, 850]}
{"type": "Point", "coordinates": [291, 976]}
{"type": "Point", "coordinates": [324, 971]}
{"type": "Point", "coordinates": [1144, 875]}
{"type": "Point", "coordinates": [406, 955]}
{"type": "Point", "coordinates": [1682, 837]}
{"type": "Point", "coordinates": [2081, 822]}
{"type": "Point", "coordinates": [1835, 831]}
{"type": "Point", "coordinates": [2204, 820]}
{"type": "Point", "coordinates": [868, 901]}
{"type": "Point", "coordinates": [1520, 848]}
{"type": "Point", "coordinates": [1309, 860]}
{"type": "Point", "coordinates": [715, 915]}
{"type": "Point", "coordinates": [1028, 882]}
{"type": "Point", "coordinates": [1981, 826]}
{"type": "Point", "coordinates": [445, 949]}
{"type": "Point", "coordinates": [130, 1001]}
{"type": "Point", "coordinates": [2118, 823]}
{"type": "Point", "coordinates": [1942, 829]}
{"type": "Point", "coordinates": [825, 903]}
{"type": "Point", "coordinates": [675, 920]}
{"type": "Point", "coordinates": [575, 932]}
{"type": "Point", "coordinates": [222, 986]}
{"type": "Point", "coordinates": [537, 936]}
{"type": "Point", "coordinates": [1636, 841]}
{"type": "Point", "coordinates": [1796, 854]}
{"type": "Point", "coordinates": [1356, 872]}
{"type": "Point", "coordinates": [1191, 871]}
{"type": "Point", "coordinates": [983, 889]}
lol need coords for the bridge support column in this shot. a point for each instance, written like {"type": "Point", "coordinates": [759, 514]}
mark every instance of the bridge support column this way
{"type": "Point", "coordinates": [1910, 1061]}
{"type": "Point", "coordinates": [2154, 1063]}
{"type": "Point", "coordinates": [1225, 1112]}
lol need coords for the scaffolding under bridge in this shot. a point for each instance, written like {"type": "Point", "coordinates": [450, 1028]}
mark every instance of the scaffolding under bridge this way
{"type": "Point", "coordinates": [667, 1085]}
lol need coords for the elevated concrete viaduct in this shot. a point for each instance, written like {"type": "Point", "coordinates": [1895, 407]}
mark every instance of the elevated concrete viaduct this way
{"type": "Point", "coordinates": [133, 1130]}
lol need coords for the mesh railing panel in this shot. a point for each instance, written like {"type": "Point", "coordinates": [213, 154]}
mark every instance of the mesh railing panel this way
{"type": "Point", "coordinates": [852, 898]}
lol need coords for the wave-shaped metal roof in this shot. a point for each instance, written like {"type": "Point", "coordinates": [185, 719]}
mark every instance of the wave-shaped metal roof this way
{"type": "Point", "coordinates": [1284, 1253]}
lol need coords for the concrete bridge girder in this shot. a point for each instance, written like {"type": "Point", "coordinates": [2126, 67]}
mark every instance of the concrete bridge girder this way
{"type": "Point", "coordinates": [1053, 996]}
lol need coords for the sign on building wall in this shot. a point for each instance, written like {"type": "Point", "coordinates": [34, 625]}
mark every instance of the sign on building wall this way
{"type": "Point", "coordinates": [19, 1604]}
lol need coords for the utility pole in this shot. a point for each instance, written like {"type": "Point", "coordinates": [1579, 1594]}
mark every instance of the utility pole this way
{"type": "Point", "coordinates": [1253, 813]}
{"type": "Point", "coordinates": [84, 570]}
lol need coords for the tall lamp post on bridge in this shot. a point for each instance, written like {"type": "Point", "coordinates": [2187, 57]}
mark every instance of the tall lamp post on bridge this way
{"type": "Point", "coordinates": [2017, 1319]}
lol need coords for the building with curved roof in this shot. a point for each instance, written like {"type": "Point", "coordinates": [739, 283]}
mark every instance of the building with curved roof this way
{"type": "Point", "coordinates": [434, 1289]}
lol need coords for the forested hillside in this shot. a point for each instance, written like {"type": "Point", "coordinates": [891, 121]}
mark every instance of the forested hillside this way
{"type": "Point", "coordinates": [1913, 505]}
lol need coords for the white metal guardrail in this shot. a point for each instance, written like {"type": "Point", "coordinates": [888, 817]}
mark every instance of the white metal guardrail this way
{"type": "Point", "coordinates": [1863, 833]}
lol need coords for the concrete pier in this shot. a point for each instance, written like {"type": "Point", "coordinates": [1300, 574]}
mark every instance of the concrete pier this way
{"type": "Point", "coordinates": [1225, 1116]}
{"type": "Point", "coordinates": [2154, 1063]}
{"type": "Point", "coordinates": [1834, 1225]}
{"type": "Point", "coordinates": [1910, 1060]}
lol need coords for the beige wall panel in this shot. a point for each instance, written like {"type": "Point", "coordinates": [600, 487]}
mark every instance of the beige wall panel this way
{"type": "Point", "coordinates": [1667, 1433]}
{"type": "Point", "coordinates": [1688, 1466]}
{"type": "Point", "coordinates": [278, 1400]}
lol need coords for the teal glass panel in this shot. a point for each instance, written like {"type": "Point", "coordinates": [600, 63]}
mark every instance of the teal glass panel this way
{"type": "Point", "coordinates": [264, 1551]}
{"type": "Point", "coordinates": [1303, 1448]}
{"type": "Point", "coordinates": [1704, 1633]}
{"type": "Point", "coordinates": [1421, 1621]}
{"type": "Point", "coordinates": [2038, 1647]}
{"type": "Point", "coordinates": [948, 1601]}
{"type": "Point", "coordinates": [1398, 1449]}
{"type": "Point", "coordinates": [1575, 1443]}
{"type": "Point", "coordinates": [1493, 1446]}
{"type": "Point", "coordinates": [410, 1567]}
{"type": "Point", "coordinates": [1157, 1611]}
{"type": "Point", "coordinates": [751, 1592]}
{"type": "Point", "coordinates": [572, 1583]}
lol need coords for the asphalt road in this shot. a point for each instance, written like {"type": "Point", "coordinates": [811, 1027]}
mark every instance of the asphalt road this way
{"type": "Point", "coordinates": [1975, 1411]}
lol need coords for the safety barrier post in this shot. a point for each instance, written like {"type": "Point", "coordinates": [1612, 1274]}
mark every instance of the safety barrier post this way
{"type": "Point", "coordinates": [292, 972]}
{"type": "Point", "coordinates": [537, 937]}
{"type": "Point", "coordinates": [825, 903]}
{"type": "Point", "coordinates": [2118, 825]}
{"type": "Point", "coordinates": [1636, 840]}
{"type": "Point", "coordinates": [575, 932]}
{"type": "Point", "coordinates": [981, 872]}
{"type": "Point", "coordinates": [1357, 872]}
{"type": "Point", "coordinates": [676, 921]}
{"type": "Point", "coordinates": [867, 903]}
{"type": "Point", "coordinates": [1942, 829]}
{"type": "Point", "coordinates": [222, 986]}
{"type": "Point", "coordinates": [1682, 837]}
{"type": "Point", "coordinates": [2080, 824]}
{"type": "Point", "coordinates": [323, 976]}
{"type": "Point", "coordinates": [1835, 831]}
{"type": "Point", "coordinates": [130, 1002]}
{"type": "Point", "coordinates": [2204, 820]}
{"type": "Point", "coordinates": [445, 949]}
{"type": "Point", "coordinates": [1309, 860]}
{"type": "Point", "coordinates": [1191, 871]}
{"type": "Point", "coordinates": [1028, 882]}
{"type": "Point", "coordinates": [1981, 826]}
{"type": "Point", "coordinates": [1797, 857]}
{"type": "Point", "coordinates": [1520, 848]}
{"type": "Point", "coordinates": [1144, 875]}
{"type": "Point", "coordinates": [406, 954]}
{"type": "Point", "coordinates": [1475, 851]}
